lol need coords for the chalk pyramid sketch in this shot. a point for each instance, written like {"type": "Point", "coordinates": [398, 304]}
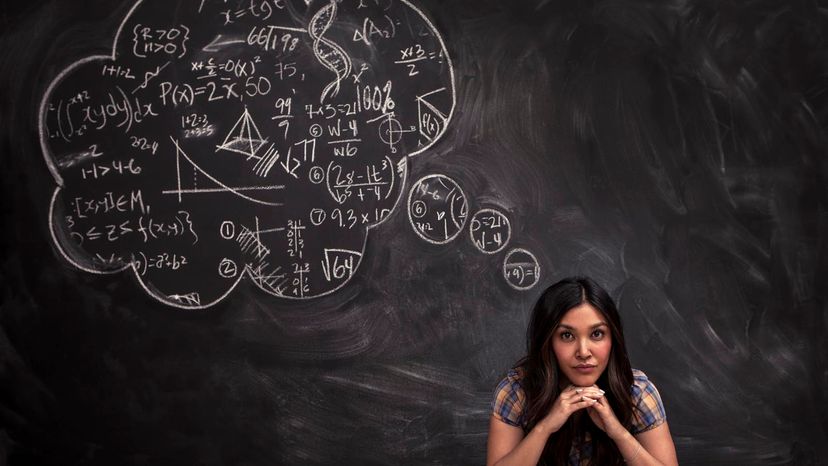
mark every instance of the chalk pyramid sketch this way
{"type": "Point", "coordinates": [244, 138]}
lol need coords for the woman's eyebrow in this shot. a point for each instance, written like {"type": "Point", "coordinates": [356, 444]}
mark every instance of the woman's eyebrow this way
{"type": "Point", "coordinates": [569, 327]}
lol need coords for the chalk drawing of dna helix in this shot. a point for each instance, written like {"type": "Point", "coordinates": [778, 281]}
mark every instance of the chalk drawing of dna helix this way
{"type": "Point", "coordinates": [331, 55]}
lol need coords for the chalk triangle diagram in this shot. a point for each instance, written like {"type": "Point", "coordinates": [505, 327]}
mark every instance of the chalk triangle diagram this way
{"type": "Point", "coordinates": [431, 120]}
{"type": "Point", "coordinates": [244, 138]}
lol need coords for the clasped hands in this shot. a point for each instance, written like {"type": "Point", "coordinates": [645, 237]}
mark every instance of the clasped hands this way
{"type": "Point", "coordinates": [573, 399]}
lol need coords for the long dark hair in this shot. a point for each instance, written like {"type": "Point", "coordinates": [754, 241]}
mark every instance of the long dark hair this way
{"type": "Point", "coordinates": [541, 375]}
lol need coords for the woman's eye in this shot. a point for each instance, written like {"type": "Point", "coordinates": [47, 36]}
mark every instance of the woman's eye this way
{"type": "Point", "coordinates": [566, 335]}
{"type": "Point", "coordinates": [598, 334]}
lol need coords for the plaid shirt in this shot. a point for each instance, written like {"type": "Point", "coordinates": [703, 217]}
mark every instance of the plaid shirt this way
{"type": "Point", "coordinates": [648, 410]}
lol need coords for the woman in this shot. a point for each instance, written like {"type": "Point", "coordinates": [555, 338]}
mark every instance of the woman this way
{"type": "Point", "coordinates": [574, 399]}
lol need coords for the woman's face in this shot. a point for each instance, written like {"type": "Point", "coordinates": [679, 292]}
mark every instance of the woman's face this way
{"type": "Point", "coordinates": [582, 343]}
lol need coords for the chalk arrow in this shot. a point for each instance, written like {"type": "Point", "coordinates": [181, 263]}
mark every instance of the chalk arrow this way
{"type": "Point", "coordinates": [217, 43]}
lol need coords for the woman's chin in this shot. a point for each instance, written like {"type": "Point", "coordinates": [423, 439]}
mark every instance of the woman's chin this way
{"type": "Point", "coordinates": [582, 380]}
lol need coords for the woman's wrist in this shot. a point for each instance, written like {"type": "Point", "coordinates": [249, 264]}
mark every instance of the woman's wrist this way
{"type": "Point", "coordinates": [620, 435]}
{"type": "Point", "coordinates": [546, 427]}
{"type": "Point", "coordinates": [629, 447]}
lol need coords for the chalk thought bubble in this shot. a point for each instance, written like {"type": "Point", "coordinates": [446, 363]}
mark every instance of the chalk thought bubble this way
{"type": "Point", "coordinates": [231, 139]}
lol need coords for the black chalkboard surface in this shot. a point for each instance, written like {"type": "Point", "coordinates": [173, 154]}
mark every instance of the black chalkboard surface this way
{"type": "Point", "coordinates": [310, 232]}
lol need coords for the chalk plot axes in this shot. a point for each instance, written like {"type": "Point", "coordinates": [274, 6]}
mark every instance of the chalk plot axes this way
{"type": "Point", "coordinates": [237, 190]}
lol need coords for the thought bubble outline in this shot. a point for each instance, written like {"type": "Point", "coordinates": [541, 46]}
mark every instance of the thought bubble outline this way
{"type": "Point", "coordinates": [55, 232]}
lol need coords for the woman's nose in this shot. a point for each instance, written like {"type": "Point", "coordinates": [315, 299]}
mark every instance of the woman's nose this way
{"type": "Point", "coordinates": [583, 351]}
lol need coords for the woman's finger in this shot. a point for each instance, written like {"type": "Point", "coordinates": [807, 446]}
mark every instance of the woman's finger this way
{"type": "Point", "coordinates": [603, 410]}
{"type": "Point", "coordinates": [591, 393]}
{"type": "Point", "coordinates": [584, 399]}
{"type": "Point", "coordinates": [599, 405]}
{"type": "Point", "coordinates": [582, 403]}
{"type": "Point", "coordinates": [568, 394]}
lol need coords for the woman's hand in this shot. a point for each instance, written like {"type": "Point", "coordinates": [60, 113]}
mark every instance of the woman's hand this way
{"type": "Point", "coordinates": [570, 400]}
{"type": "Point", "coordinates": [604, 417]}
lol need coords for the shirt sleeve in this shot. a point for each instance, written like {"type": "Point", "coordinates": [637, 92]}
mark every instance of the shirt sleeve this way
{"type": "Point", "coordinates": [648, 409]}
{"type": "Point", "coordinates": [509, 400]}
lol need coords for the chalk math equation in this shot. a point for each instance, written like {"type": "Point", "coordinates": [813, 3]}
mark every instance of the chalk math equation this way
{"type": "Point", "coordinates": [228, 139]}
{"type": "Point", "coordinates": [438, 212]}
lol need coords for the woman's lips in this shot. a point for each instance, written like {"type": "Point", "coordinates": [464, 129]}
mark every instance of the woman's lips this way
{"type": "Point", "coordinates": [584, 369]}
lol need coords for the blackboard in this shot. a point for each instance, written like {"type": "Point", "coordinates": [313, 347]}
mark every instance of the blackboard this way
{"type": "Point", "coordinates": [289, 232]}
